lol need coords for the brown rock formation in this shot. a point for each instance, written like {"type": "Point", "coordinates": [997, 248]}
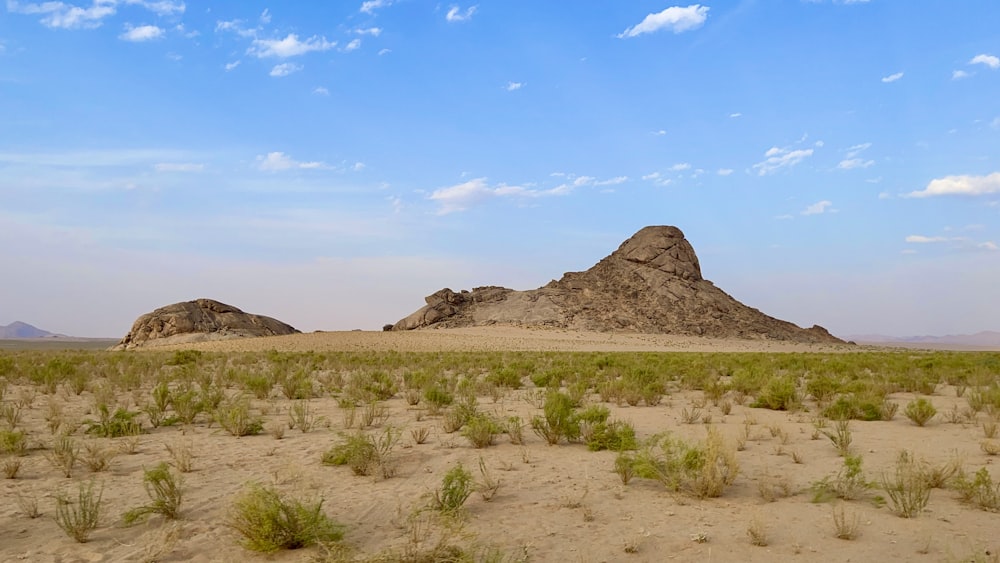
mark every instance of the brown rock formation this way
{"type": "Point", "coordinates": [651, 284]}
{"type": "Point", "coordinates": [197, 321]}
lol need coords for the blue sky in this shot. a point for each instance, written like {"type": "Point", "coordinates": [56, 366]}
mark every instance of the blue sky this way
{"type": "Point", "coordinates": [330, 164]}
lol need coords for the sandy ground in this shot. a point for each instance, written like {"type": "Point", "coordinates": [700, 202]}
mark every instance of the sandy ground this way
{"type": "Point", "coordinates": [556, 503]}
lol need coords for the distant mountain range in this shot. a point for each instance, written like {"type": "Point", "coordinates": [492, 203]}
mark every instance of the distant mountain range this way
{"type": "Point", "coordinates": [985, 339]}
{"type": "Point", "coordinates": [17, 329]}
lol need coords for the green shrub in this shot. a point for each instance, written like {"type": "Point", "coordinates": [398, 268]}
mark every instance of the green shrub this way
{"type": "Point", "coordinates": [559, 420]}
{"type": "Point", "coordinates": [234, 416]}
{"type": "Point", "coordinates": [980, 491]}
{"type": "Point", "coordinates": [13, 442]}
{"type": "Point", "coordinates": [848, 483]}
{"type": "Point", "coordinates": [920, 411]}
{"type": "Point", "coordinates": [184, 357]}
{"type": "Point", "coordinates": [122, 423]}
{"type": "Point", "coordinates": [702, 470]}
{"type": "Point", "coordinates": [906, 487]}
{"type": "Point", "coordinates": [269, 521]}
{"type": "Point", "coordinates": [868, 406]}
{"type": "Point", "coordinates": [509, 377]}
{"type": "Point", "coordinates": [481, 431]}
{"type": "Point", "coordinates": [365, 454]}
{"type": "Point", "coordinates": [455, 489]}
{"type": "Point", "coordinates": [616, 436]}
{"type": "Point", "coordinates": [780, 394]}
{"type": "Point", "coordinates": [80, 517]}
{"type": "Point", "coordinates": [165, 493]}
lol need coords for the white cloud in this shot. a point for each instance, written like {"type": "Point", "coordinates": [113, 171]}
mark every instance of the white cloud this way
{"type": "Point", "coordinates": [735, 115]}
{"type": "Point", "coordinates": [159, 7]}
{"type": "Point", "coordinates": [321, 91]}
{"type": "Point", "coordinates": [988, 245]}
{"type": "Point", "coordinates": [852, 163]}
{"type": "Point", "coordinates": [284, 69]}
{"type": "Point", "coordinates": [959, 74]}
{"type": "Point", "coordinates": [232, 65]}
{"type": "Point", "coordinates": [178, 167]}
{"type": "Point", "coordinates": [659, 133]}
{"type": "Point", "coordinates": [777, 159]}
{"type": "Point", "coordinates": [675, 19]}
{"type": "Point", "coordinates": [988, 60]}
{"type": "Point", "coordinates": [235, 26]}
{"type": "Point", "coordinates": [290, 46]}
{"type": "Point", "coordinates": [461, 197]}
{"type": "Point", "coordinates": [892, 77]}
{"type": "Point", "coordinates": [369, 6]}
{"type": "Point", "coordinates": [818, 208]}
{"type": "Point", "coordinates": [373, 31]}
{"type": "Point", "coordinates": [66, 16]}
{"type": "Point", "coordinates": [358, 166]}
{"type": "Point", "coordinates": [921, 239]}
{"type": "Point", "coordinates": [353, 45]}
{"type": "Point", "coordinates": [680, 166]}
{"type": "Point", "coordinates": [511, 86]}
{"type": "Point", "coordinates": [612, 181]}
{"type": "Point", "coordinates": [384, 52]}
{"type": "Point", "coordinates": [961, 185]}
{"type": "Point", "coordinates": [657, 179]}
{"type": "Point", "coordinates": [278, 161]}
{"type": "Point", "coordinates": [455, 14]}
{"type": "Point", "coordinates": [141, 33]}
{"type": "Point", "coordinates": [724, 171]}
{"type": "Point", "coordinates": [265, 16]}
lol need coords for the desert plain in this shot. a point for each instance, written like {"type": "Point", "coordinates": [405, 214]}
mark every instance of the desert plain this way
{"type": "Point", "coordinates": [742, 450]}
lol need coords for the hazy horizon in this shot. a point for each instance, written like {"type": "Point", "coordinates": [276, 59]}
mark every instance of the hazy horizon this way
{"type": "Point", "coordinates": [832, 162]}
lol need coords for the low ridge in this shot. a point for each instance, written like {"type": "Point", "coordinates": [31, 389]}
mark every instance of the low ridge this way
{"type": "Point", "coordinates": [198, 321]}
{"type": "Point", "coordinates": [651, 284]}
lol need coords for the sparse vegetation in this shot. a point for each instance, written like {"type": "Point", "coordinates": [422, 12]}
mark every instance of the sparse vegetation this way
{"type": "Point", "coordinates": [455, 489]}
{"type": "Point", "coordinates": [270, 521]}
{"type": "Point", "coordinates": [165, 492]}
{"type": "Point", "coordinates": [80, 517]}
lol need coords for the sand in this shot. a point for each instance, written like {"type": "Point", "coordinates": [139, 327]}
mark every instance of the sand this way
{"type": "Point", "coordinates": [555, 503]}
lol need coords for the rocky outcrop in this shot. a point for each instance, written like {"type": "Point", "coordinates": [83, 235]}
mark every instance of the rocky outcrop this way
{"type": "Point", "coordinates": [198, 321]}
{"type": "Point", "coordinates": [651, 284]}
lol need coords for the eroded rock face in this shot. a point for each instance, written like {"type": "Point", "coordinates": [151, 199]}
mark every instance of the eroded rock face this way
{"type": "Point", "coordinates": [198, 321]}
{"type": "Point", "coordinates": [651, 284]}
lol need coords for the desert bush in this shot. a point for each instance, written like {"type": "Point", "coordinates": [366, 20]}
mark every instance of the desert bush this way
{"type": "Point", "coordinates": [270, 521]}
{"type": "Point", "coordinates": [97, 457]}
{"type": "Point", "coordinates": [616, 435]}
{"type": "Point", "coordinates": [234, 416]}
{"type": "Point", "coordinates": [419, 435]}
{"type": "Point", "coordinates": [300, 416]}
{"type": "Point", "coordinates": [980, 491]}
{"type": "Point", "coordinates": [845, 526]}
{"type": "Point", "coordinates": [365, 454]}
{"type": "Point", "coordinates": [10, 466]}
{"type": "Point", "coordinates": [920, 411]}
{"type": "Point", "coordinates": [489, 484]}
{"type": "Point", "coordinates": [437, 398]}
{"type": "Point", "coordinates": [10, 412]}
{"type": "Point", "coordinates": [906, 487]}
{"type": "Point", "coordinates": [848, 483]}
{"type": "Point", "coordinates": [187, 403]}
{"type": "Point", "coordinates": [80, 517]}
{"type": "Point", "coordinates": [559, 421]}
{"type": "Point", "coordinates": [13, 442]}
{"type": "Point", "coordinates": [780, 394]}
{"type": "Point", "coordinates": [841, 437]}
{"type": "Point", "coordinates": [514, 429]}
{"type": "Point", "coordinates": [165, 493]}
{"type": "Point", "coordinates": [865, 406]}
{"type": "Point", "coordinates": [182, 456]}
{"type": "Point", "coordinates": [481, 431]}
{"type": "Point", "coordinates": [64, 455]}
{"type": "Point", "coordinates": [507, 376]}
{"type": "Point", "coordinates": [456, 486]}
{"type": "Point", "coordinates": [184, 357]}
{"type": "Point", "coordinates": [114, 425]}
{"type": "Point", "coordinates": [702, 470]}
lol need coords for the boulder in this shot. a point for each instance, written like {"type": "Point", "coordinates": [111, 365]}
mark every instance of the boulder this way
{"type": "Point", "coordinates": [651, 284]}
{"type": "Point", "coordinates": [198, 321]}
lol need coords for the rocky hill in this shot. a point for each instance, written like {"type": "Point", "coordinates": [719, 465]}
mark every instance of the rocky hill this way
{"type": "Point", "coordinates": [651, 284]}
{"type": "Point", "coordinates": [198, 321]}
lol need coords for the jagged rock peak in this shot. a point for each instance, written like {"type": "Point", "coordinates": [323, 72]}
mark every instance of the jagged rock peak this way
{"type": "Point", "coordinates": [198, 321]}
{"type": "Point", "coordinates": [652, 283]}
{"type": "Point", "coordinates": [663, 248]}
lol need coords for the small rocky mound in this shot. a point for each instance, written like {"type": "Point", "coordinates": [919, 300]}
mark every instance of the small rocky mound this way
{"type": "Point", "coordinates": [651, 284]}
{"type": "Point", "coordinates": [198, 321]}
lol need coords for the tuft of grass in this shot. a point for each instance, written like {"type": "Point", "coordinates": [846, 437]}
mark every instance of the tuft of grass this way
{"type": "Point", "coordinates": [920, 411]}
{"type": "Point", "coordinates": [980, 491]}
{"type": "Point", "coordinates": [97, 457]}
{"type": "Point", "coordinates": [906, 487]}
{"type": "Point", "coordinates": [757, 532]}
{"type": "Point", "coordinates": [848, 484]}
{"type": "Point", "coordinates": [78, 519]}
{"type": "Point", "coordinates": [481, 431]}
{"type": "Point", "coordinates": [165, 493]}
{"type": "Point", "coordinates": [234, 416]}
{"type": "Point", "coordinates": [120, 423]}
{"type": "Point", "coordinates": [365, 454]}
{"type": "Point", "coordinates": [845, 525]}
{"type": "Point", "coordinates": [11, 466]}
{"type": "Point", "coordinates": [13, 442]}
{"type": "Point", "coordinates": [182, 456]}
{"type": "Point", "coordinates": [489, 485]}
{"type": "Point", "coordinates": [270, 521]}
{"type": "Point", "coordinates": [28, 505]}
{"type": "Point", "coordinates": [64, 455]}
{"type": "Point", "coordinates": [456, 486]}
{"type": "Point", "coordinates": [841, 437]}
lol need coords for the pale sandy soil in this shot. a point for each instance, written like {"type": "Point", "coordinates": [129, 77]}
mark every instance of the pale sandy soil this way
{"type": "Point", "coordinates": [556, 503]}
